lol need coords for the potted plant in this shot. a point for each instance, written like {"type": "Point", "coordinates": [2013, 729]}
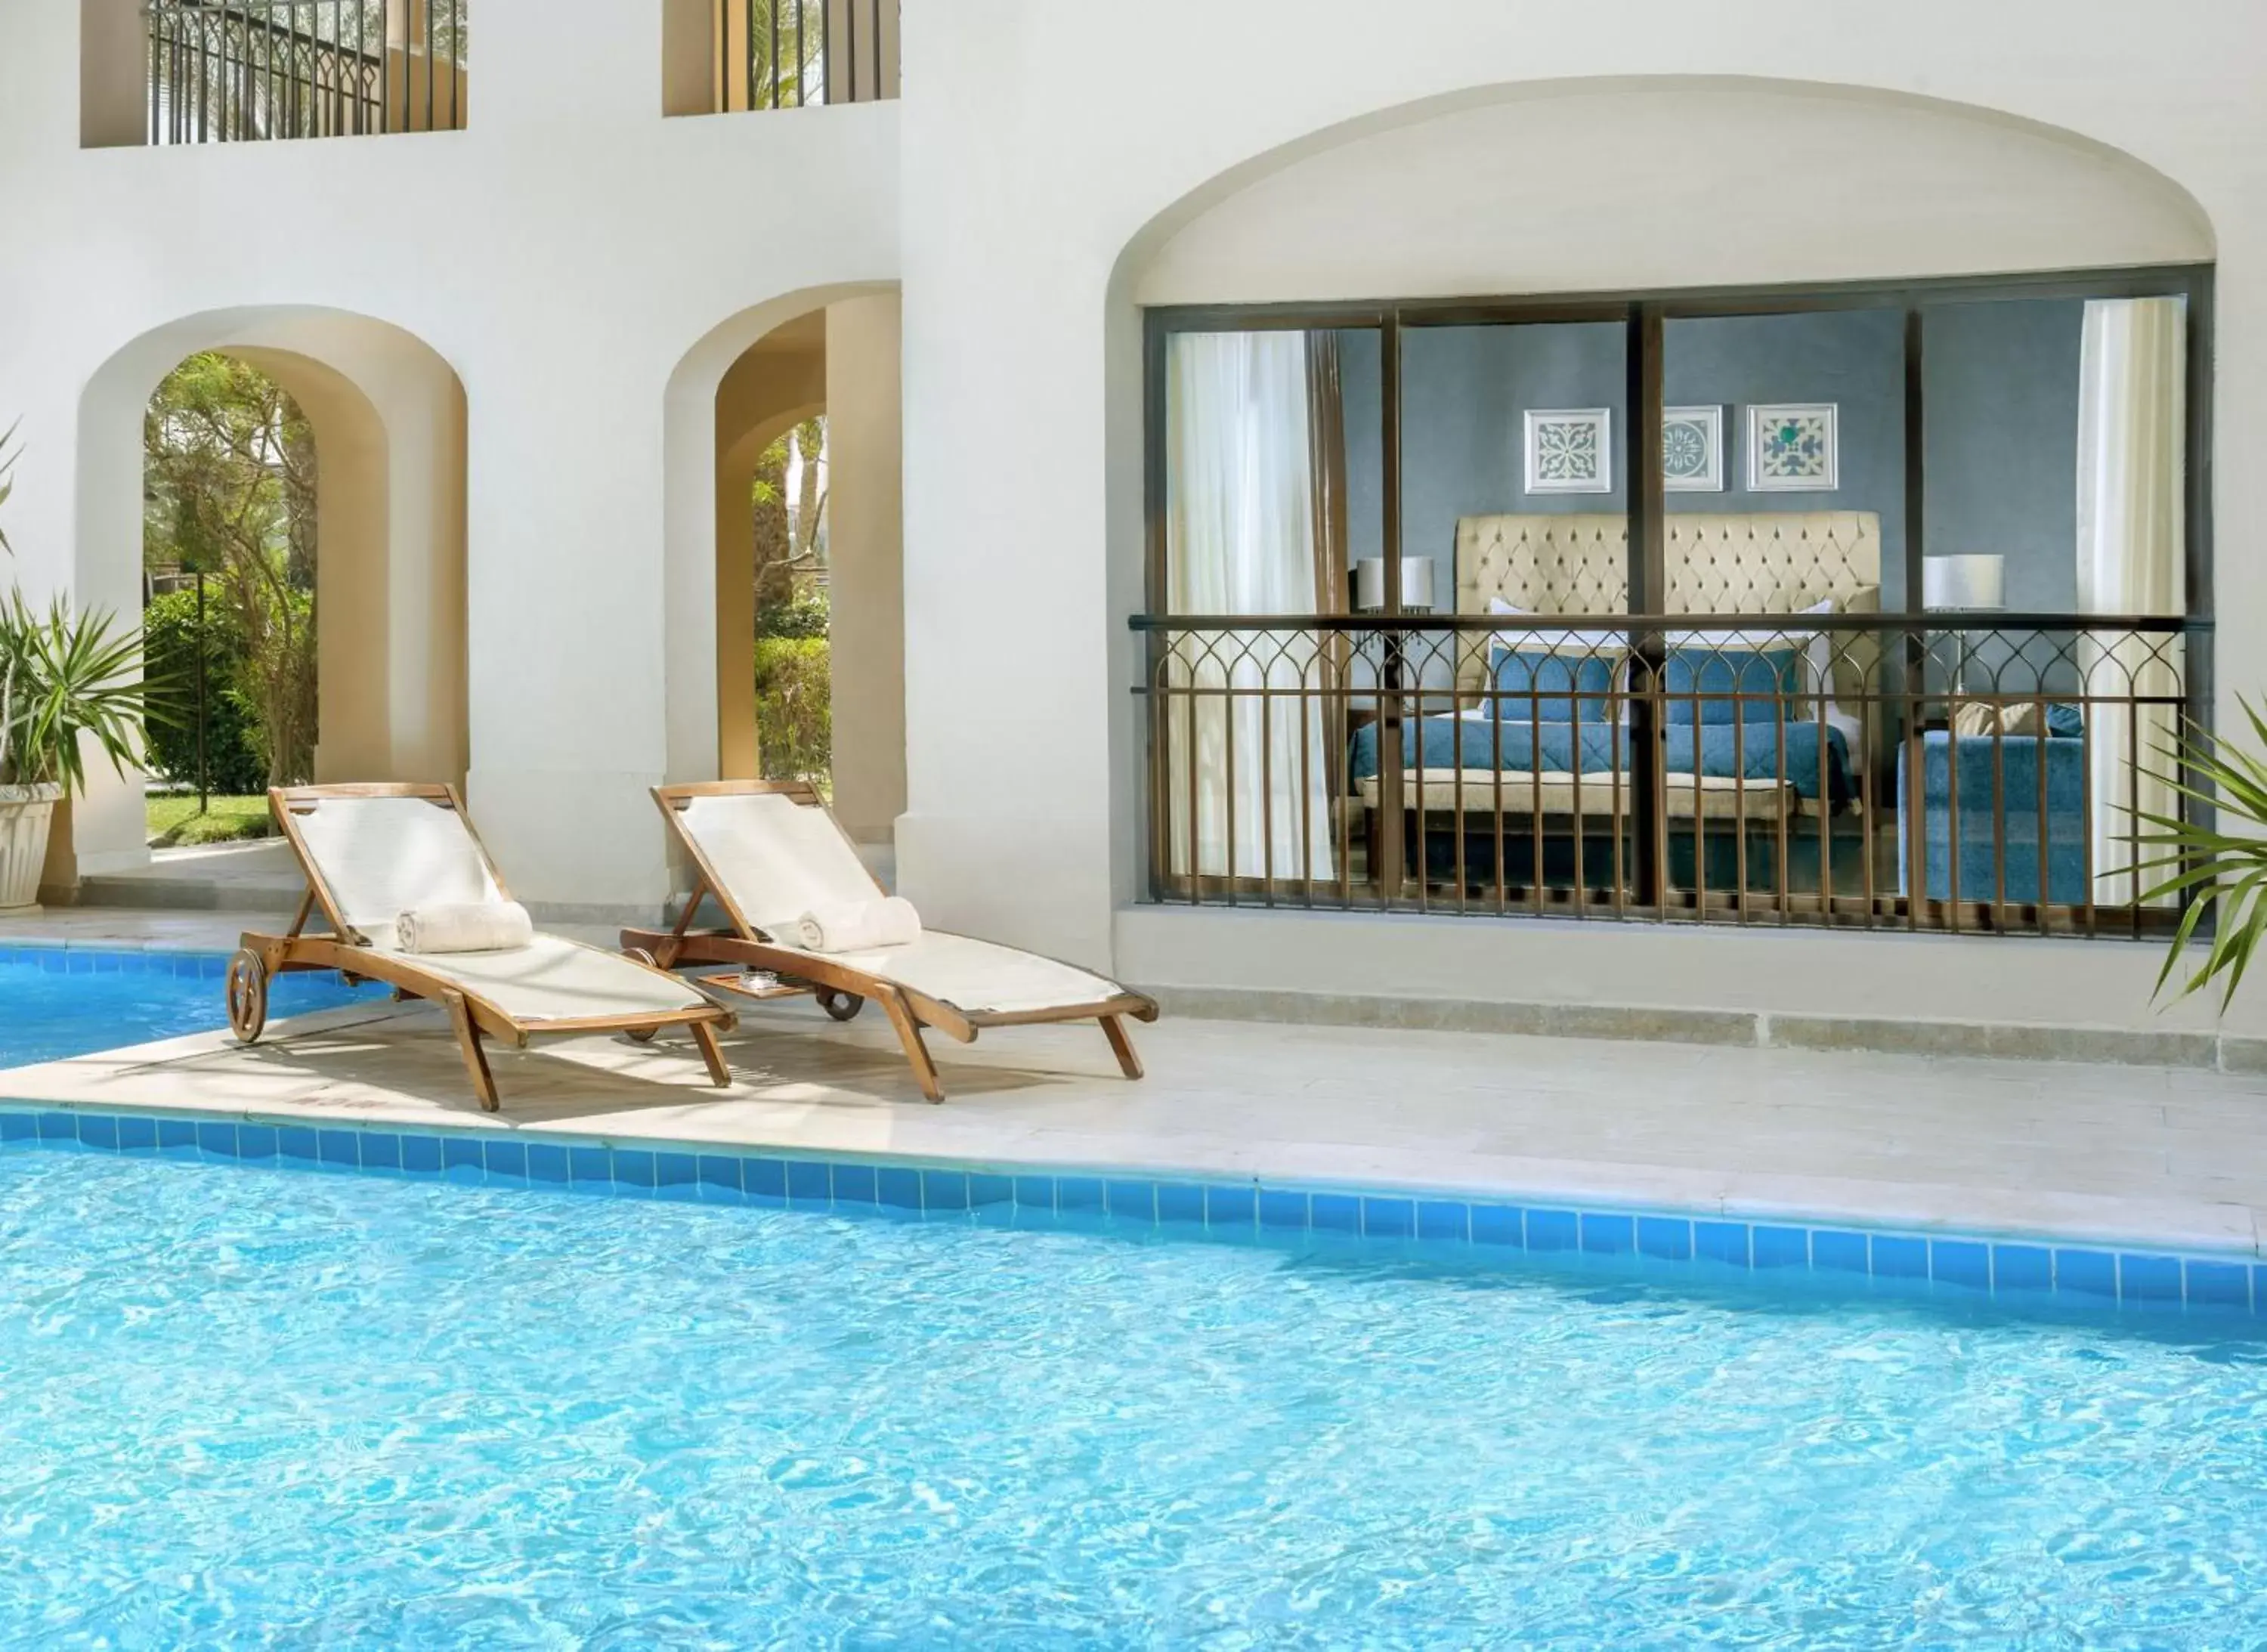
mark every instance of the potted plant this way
{"type": "Point", "coordinates": [67, 680]}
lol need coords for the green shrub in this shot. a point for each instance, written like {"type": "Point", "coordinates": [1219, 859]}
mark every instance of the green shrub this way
{"type": "Point", "coordinates": [794, 718]}
{"type": "Point", "coordinates": [232, 752]}
{"type": "Point", "coordinates": [803, 616]}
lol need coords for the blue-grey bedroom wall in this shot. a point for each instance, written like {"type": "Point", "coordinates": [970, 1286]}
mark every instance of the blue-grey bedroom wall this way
{"type": "Point", "coordinates": [2001, 381]}
{"type": "Point", "coordinates": [1466, 392]}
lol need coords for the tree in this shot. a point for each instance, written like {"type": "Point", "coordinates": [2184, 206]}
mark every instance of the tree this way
{"type": "Point", "coordinates": [758, 35]}
{"type": "Point", "coordinates": [790, 532]}
{"type": "Point", "coordinates": [230, 484]}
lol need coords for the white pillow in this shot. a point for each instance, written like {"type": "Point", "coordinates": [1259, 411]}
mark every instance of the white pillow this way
{"type": "Point", "coordinates": [1571, 640]}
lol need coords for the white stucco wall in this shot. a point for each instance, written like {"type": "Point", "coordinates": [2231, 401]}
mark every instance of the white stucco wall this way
{"type": "Point", "coordinates": [588, 270]}
{"type": "Point", "coordinates": [562, 256]}
{"type": "Point", "coordinates": [1037, 219]}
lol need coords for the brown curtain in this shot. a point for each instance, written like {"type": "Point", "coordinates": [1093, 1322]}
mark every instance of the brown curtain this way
{"type": "Point", "coordinates": [1326, 471]}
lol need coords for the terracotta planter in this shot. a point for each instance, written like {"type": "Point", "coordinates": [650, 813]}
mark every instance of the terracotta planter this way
{"type": "Point", "coordinates": [25, 814]}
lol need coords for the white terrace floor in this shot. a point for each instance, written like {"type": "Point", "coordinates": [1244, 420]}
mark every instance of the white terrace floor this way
{"type": "Point", "coordinates": [2140, 1155]}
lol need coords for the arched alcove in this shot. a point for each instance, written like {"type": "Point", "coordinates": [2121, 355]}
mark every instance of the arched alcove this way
{"type": "Point", "coordinates": [1611, 186]}
{"type": "Point", "coordinates": [388, 417]}
{"type": "Point", "coordinates": [1658, 182]}
{"type": "Point", "coordinates": [832, 352]}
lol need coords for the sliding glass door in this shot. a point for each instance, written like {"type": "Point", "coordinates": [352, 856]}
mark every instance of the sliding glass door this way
{"type": "Point", "coordinates": [1270, 474]}
{"type": "Point", "coordinates": [1873, 607]}
{"type": "Point", "coordinates": [1513, 787]}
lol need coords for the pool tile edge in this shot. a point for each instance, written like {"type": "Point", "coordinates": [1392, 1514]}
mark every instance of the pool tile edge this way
{"type": "Point", "coordinates": [2020, 1268]}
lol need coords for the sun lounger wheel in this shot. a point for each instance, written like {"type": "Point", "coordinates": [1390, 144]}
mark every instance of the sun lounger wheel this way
{"type": "Point", "coordinates": [247, 994]}
{"type": "Point", "coordinates": [641, 1035]}
{"type": "Point", "coordinates": [842, 1006]}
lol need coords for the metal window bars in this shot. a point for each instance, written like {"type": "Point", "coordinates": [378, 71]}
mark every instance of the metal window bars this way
{"type": "Point", "coordinates": [1861, 771]}
{"type": "Point", "coordinates": [248, 70]}
{"type": "Point", "coordinates": [799, 54]}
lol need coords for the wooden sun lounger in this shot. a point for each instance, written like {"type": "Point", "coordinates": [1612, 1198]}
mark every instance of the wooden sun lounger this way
{"type": "Point", "coordinates": [474, 1013]}
{"type": "Point", "coordinates": [840, 988]}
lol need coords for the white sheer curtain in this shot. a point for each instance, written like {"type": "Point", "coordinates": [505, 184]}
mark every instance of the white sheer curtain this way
{"type": "Point", "coordinates": [2132, 423]}
{"type": "Point", "coordinates": [1240, 539]}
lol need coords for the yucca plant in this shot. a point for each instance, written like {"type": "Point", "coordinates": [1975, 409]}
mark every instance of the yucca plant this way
{"type": "Point", "coordinates": [2222, 873]}
{"type": "Point", "coordinates": [8, 451]}
{"type": "Point", "coordinates": [63, 675]}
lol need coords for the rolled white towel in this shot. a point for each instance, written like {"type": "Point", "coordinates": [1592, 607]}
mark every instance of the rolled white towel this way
{"type": "Point", "coordinates": [889, 921]}
{"type": "Point", "coordinates": [490, 926]}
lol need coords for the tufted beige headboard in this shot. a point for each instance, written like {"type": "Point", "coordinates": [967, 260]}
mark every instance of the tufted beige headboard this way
{"type": "Point", "coordinates": [1755, 563]}
{"type": "Point", "coordinates": [1765, 562]}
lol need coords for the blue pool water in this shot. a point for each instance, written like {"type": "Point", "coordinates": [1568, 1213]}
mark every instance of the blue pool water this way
{"type": "Point", "coordinates": [55, 1003]}
{"type": "Point", "coordinates": [250, 1404]}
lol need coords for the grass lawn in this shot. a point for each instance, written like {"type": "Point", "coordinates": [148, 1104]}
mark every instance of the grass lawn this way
{"type": "Point", "coordinates": [174, 822]}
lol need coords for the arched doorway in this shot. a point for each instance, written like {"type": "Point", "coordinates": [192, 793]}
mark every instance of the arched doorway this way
{"type": "Point", "coordinates": [379, 548]}
{"type": "Point", "coordinates": [799, 558]}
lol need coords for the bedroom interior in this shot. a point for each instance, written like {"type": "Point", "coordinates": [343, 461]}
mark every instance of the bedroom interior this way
{"type": "Point", "coordinates": [1888, 637]}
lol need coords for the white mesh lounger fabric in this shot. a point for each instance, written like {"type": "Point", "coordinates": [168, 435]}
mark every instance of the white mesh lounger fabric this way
{"type": "Point", "coordinates": [381, 856]}
{"type": "Point", "coordinates": [372, 852]}
{"type": "Point", "coordinates": [769, 852]}
{"type": "Point", "coordinates": [777, 855]}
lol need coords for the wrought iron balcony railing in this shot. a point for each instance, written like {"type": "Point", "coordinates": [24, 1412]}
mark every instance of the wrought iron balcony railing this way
{"type": "Point", "coordinates": [244, 71]}
{"type": "Point", "coordinates": [1850, 771]}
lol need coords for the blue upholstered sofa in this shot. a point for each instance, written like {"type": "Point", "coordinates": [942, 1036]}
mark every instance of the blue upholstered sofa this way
{"type": "Point", "coordinates": [1999, 797]}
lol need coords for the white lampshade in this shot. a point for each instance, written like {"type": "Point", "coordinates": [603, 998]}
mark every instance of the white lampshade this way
{"type": "Point", "coordinates": [1968, 584]}
{"type": "Point", "coordinates": [1416, 585]}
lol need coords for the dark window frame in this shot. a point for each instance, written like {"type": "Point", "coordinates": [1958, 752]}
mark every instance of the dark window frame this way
{"type": "Point", "coordinates": [1644, 313]}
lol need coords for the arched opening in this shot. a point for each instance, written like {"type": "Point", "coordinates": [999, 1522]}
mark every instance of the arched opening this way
{"type": "Point", "coordinates": [231, 550]}
{"type": "Point", "coordinates": [798, 586]}
{"type": "Point", "coordinates": [1990, 312]}
{"type": "Point", "coordinates": [312, 465]}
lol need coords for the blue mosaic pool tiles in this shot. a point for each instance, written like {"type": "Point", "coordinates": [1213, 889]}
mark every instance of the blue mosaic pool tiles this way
{"type": "Point", "coordinates": [2085, 1273]}
{"type": "Point", "coordinates": [1182, 1203]}
{"type": "Point", "coordinates": [1283, 1207]}
{"type": "Point", "coordinates": [1553, 1230]}
{"type": "Point", "coordinates": [1389, 1218]}
{"type": "Point", "coordinates": [986, 1191]}
{"type": "Point", "coordinates": [1838, 1251]}
{"type": "Point", "coordinates": [1502, 1225]}
{"type": "Point", "coordinates": [1778, 1247]}
{"type": "Point", "coordinates": [2022, 1267]}
{"type": "Point", "coordinates": [1667, 1238]}
{"type": "Point", "coordinates": [1966, 1263]}
{"type": "Point", "coordinates": [1725, 1241]}
{"type": "Point", "coordinates": [1444, 1220]}
{"type": "Point", "coordinates": [1895, 1257]}
{"type": "Point", "coordinates": [1227, 1209]}
{"type": "Point", "coordinates": [1233, 1211]}
{"type": "Point", "coordinates": [2219, 1284]}
{"type": "Point", "coordinates": [2150, 1279]}
{"type": "Point", "coordinates": [58, 958]}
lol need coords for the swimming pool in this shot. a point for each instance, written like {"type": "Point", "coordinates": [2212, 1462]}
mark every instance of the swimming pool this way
{"type": "Point", "coordinates": [56, 1001]}
{"type": "Point", "coordinates": [248, 1402]}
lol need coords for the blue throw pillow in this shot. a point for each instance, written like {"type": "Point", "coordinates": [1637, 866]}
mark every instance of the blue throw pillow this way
{"type": "Point", "coordinates": [1537, 685]}
{"type": "Point", "coordinates": [1769, 675]}
{"type": "Point", "coordinates": [2065, 721]}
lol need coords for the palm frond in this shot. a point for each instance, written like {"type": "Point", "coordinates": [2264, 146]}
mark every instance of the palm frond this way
{"type": "Point", "coordinates": [2223, 872]}
{"type": "Point", "coordinates": [72, 679]}
{"type": "Point", "coordinates": [9, 450]}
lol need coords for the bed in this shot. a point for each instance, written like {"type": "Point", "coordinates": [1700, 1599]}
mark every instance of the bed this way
{"type": "Point", "coordinates": [1561, 749]}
